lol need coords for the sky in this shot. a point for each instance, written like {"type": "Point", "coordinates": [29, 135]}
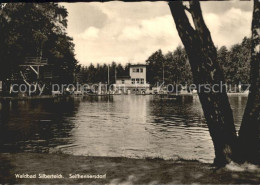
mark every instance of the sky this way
{"type": "Point", "coordinates": [130, 32]}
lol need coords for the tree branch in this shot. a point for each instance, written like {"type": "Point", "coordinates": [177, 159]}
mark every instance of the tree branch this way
{"type": "Point", "coordinates": [200, 25]}
{"type": "Point", "coordinates": [183, 26]}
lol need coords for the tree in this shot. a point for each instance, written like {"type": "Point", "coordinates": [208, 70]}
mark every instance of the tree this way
{"type": "Point", "coordinates": [174, 65]}
{"type": "Point", "coordinates": [238, 62]}
{"type": "Point", "coordinates": [155, 65]}
{"type": "Point", "coordinates": [249, 134]}
{"type": "Point", "coordinates": [205, 68]}
{"type": "Point", "coordinates": [182, 68]}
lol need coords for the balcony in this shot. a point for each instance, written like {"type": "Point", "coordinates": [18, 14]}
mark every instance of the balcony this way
{"type": "Point", "coordinates": [35, 61]}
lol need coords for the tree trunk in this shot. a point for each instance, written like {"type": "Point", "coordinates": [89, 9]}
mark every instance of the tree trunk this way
{"type": "Point", "coordinates": [249, 134]}
{"type": "Point", "coordinates": [207, 74]}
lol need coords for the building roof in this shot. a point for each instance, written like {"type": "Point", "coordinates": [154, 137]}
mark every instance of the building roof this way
{"type": "Point", "coordinates": [138, 65]}
{"type": "Point", "coordinates": [123, 77]}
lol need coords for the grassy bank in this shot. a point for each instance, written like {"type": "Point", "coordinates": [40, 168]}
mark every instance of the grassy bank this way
{"type": "Point", "coordinates": [116, 170]}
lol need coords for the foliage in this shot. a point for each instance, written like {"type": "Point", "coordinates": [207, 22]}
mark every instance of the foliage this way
{"type": "Point", "coordinates": [34, 30]}
{"type": "Point", "coordinates": [235, 63]}
{"type": "Point", "coordinates": [174, 65]}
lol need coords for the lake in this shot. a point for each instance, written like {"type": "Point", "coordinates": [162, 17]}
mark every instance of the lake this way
{"type": "Point", "coordinates": [129, 126]}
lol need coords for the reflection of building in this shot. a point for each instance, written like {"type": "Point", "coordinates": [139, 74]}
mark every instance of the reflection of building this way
{"type": "Point", "coordinates": [135, 82]}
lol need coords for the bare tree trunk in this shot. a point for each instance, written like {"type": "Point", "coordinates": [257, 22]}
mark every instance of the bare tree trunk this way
{"type": "Point", "coordinates": [206, 72]}
{"type": "Point", "coordinates": [249, 134]}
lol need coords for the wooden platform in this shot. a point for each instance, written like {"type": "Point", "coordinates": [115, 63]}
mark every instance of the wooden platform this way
{"type": "Point", "coordinates": [28, 97]}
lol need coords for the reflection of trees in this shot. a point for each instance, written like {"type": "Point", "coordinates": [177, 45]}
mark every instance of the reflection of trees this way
{"type": "Point", "coordinates": [36, 125]}
{"type": "Point", "coordinates": [185, 112]}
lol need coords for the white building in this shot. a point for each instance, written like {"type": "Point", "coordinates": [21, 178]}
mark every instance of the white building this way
{"type": "Point", "coordinates": [135, 82]}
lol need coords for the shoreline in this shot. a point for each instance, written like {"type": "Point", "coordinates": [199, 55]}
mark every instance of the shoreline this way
{"type": "Point", "coordinates": [64, 168]}
{"type": "Point", "coordinates": [10, 98]}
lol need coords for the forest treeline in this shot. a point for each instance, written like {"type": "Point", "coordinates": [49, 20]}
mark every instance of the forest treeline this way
{"type": "Point", "coordinates": [235, 62]}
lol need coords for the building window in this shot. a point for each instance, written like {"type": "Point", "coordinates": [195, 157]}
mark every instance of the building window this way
{"type": "Point", "coordinates": [137, 80]}
{"type": "Point", "coordinates": [141, 70]}
{"type": "Point", "coordinates": [133, 81]}
{"type": "Point", "coordinates": [123, 81]}
{"type": "Point", "coordinates": [137, 70]}
{"type": "Point", "coordinates": [142, 81]}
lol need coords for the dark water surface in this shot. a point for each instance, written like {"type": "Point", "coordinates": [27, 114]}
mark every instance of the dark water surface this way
{"type": "Point", "coordinates": [128, 126]}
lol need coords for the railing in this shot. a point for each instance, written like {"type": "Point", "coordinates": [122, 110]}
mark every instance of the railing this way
{"type": "Point", "coordinates": [35, 61]}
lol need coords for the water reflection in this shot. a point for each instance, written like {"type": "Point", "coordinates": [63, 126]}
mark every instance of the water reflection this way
{"type": "Point", "coordinates": [36, 125]}
{"type": "Point", "coordinates": [129, 126]}
{"type": "Point", "coordinates": [238, 104]}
